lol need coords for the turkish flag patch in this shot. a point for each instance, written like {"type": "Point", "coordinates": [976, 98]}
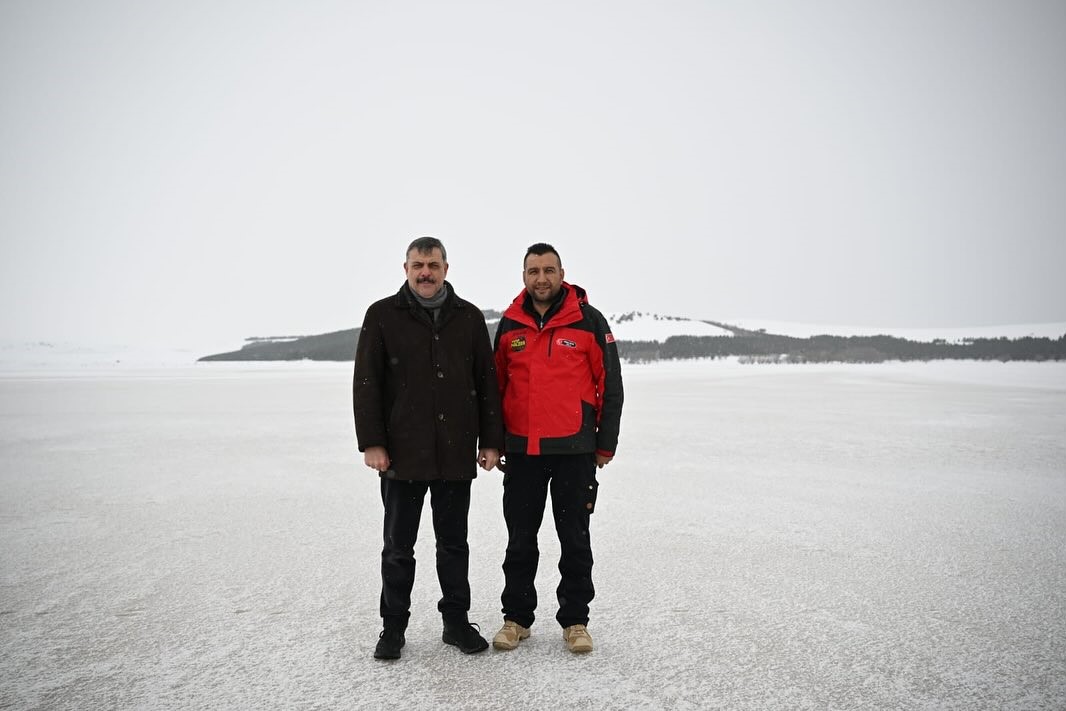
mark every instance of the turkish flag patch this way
{"type": "Point", "coordinates": [610, 338]}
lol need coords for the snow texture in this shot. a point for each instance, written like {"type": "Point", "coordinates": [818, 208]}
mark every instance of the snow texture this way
{"type": "Point", "coordinates": [769, 537]}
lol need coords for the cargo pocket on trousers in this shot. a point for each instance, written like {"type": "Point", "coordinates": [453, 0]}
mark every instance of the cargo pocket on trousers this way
{"type": "Point", "coordinates": [591, 487]}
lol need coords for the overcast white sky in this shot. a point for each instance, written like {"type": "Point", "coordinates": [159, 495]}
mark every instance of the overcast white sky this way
{"type": "Point", "coordinates": [190, 171]}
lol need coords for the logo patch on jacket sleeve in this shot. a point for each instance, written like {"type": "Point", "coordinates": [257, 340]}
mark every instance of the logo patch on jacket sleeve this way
{"type": "Point", "coordinates": [609, 338]}
{"type": "Point", "coordinates": [565, 342]}
{"type": "Point", "coordinates": [518, 344]}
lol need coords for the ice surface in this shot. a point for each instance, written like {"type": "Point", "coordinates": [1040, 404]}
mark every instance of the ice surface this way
{"type": "Point", "coordinates": [769, 537]}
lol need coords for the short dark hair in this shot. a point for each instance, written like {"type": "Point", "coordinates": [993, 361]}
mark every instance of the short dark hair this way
{"type": "Point", "coordinates": [425, 245]}
{"type": "Point", "coordinates": [540, 249]}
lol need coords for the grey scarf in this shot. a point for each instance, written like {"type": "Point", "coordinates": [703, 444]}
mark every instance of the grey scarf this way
{"type": "Point", "coordinates": [432, 305]}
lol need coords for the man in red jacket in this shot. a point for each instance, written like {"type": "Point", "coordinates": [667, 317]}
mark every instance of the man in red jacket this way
{"type": "Point", "coordinates": [561, 385]}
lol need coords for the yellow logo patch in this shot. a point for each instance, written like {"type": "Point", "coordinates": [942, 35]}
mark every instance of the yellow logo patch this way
{"type": "Point", "coordinates": [518, 344]}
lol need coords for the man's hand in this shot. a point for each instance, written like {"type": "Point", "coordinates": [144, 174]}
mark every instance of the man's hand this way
{"type": "Point", "coordinates": [602, 461]}
{"type": "Point", "coordinates": [376, 458]}
{"type": "Point", "coordinates": [488, 458]}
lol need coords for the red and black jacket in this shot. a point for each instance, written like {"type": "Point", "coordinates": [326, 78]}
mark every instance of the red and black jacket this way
{"type": "Point", "coordinates": [560, 377]}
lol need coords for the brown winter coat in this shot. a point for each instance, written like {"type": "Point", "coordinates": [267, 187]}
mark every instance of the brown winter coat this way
{"type": "Point", "coordinates": [426, 391]}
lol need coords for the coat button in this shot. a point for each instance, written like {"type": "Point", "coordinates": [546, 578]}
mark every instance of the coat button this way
{"type": "Point", "coordinates": [440, 416]}
{"type": "Point", "coordinates": [440, 373]}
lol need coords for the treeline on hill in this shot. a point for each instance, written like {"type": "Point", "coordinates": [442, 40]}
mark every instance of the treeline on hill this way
{"type": "Point", "coordinates": [338, 345]}
{"type": "Point", "coordinates": [765, 347]}
{"type": "Point", "coordinates": [751, 347]}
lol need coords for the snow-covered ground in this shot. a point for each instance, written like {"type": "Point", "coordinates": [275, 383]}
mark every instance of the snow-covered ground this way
{"type": "Point", "coordinates": [769, 537]}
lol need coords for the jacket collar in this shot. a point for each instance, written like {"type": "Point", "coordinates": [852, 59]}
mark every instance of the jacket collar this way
{"type": "Point", "coordinates": [566, 311]}
{"type": "Point", "coordinates": [451, 305]}
{"type": "Point", "coordinates": [404, 299]}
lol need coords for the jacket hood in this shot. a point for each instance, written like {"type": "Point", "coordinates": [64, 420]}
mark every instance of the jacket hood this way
{"type": "Point", "coordinates": [579, 292]}
{"type": "Point", "coordinates": [569, 309]}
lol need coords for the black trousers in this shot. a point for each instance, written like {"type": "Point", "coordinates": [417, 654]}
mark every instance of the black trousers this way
{"type": "Point", "coordinates": [571, 478]}
{"type": "Point", "coordinates": [450, 501]}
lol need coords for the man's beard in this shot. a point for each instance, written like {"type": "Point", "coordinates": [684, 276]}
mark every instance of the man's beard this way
{"type": "Point", "coordinates": [550, 299]}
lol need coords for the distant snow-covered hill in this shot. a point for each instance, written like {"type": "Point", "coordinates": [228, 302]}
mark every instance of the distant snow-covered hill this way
{"type": "Point", "coordinates": [647, 326]}
{"type": "Point", "coordinates": [631, 329]}
{"type": "Point", "coordinates": [954, 334]}
{"type": "Point", "coordinates": [644, 326]}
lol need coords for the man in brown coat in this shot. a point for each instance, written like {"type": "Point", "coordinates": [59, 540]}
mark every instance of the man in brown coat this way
{"type": "Point", "coordinates": [427, 410]}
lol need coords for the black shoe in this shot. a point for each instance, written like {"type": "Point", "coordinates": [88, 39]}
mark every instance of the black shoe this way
{"type": "Point", "coordinates": [467, 637]}
{"type": "Point", "coordinates": [390, 641]}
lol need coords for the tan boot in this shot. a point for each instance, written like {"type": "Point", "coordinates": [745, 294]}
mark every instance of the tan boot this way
{"type": "Point", "coordinates": [577, 639]}
{"type": "Point", "coordinates": [509, 635]}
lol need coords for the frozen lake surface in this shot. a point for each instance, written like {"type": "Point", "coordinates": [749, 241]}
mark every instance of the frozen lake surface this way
{"type": "Point", "coordinates": [770, 537]}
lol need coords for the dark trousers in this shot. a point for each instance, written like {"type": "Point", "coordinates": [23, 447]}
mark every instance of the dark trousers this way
{"type": "Point", "coordinates": [450, 501]}
{"type": "Point", "coordinates": [571, 478]}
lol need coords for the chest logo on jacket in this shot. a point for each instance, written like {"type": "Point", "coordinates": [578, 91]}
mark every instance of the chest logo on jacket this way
{"type": "Point", "coordinates": [565, 342]}
{"type": "Point", "coordinates": [518, 344]}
